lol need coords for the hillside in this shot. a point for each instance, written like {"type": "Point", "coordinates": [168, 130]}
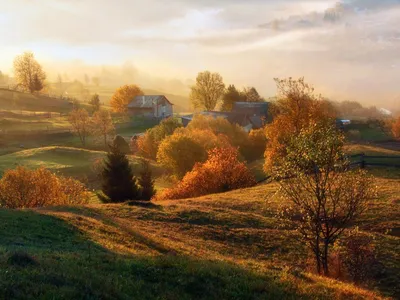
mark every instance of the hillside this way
{"type": "Point", "coordinates": [226, 246]}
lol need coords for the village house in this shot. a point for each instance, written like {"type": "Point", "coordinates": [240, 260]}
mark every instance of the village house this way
{"type": "Point", "coordinates": [151, 106]}
{"type": "Point", "coordinates": [249, 115]}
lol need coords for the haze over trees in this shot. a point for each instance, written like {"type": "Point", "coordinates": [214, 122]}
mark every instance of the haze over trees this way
{"type": "Point", "coordinates": [29, 73]}
{"type": "Point", "coordinates": [207, 91]}
{"type": "Point", "coordinates": [81, 124]}
{"type": "Point", "coordinates": [102, 125]}
{"type": "Point", "coordinates": [123, 96]}
{"type": "Point", "coordinates": [95, 102]}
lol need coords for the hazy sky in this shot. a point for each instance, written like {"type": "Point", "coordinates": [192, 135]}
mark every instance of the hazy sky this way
{"type": "Point", "coordinates": [347, 50]}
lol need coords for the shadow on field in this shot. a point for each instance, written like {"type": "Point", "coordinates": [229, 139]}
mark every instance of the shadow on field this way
{"type": "Point", "coordinates": [60, 262]}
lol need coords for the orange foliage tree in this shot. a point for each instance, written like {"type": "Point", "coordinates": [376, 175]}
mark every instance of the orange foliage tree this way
{"type": "Point", "coordinates": [396, 128]}
{"type": "Point", "coordinates": [24, 188]}
{"type": "Point", "coordinates": [123, 96]}
{"type": "Point", "coordinates": [296, 108]}
{"type": "Point", "coordinates": [220, 173]}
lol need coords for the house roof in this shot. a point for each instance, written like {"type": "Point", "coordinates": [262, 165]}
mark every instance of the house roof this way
{"type": "Point", "coordinates": [251, 107]}
{"type": "Point", "coordinates": [146, 101]}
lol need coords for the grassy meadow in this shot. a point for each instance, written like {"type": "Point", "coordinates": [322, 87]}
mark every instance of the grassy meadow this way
{"type": "Point", "coordinates": [227, 246]}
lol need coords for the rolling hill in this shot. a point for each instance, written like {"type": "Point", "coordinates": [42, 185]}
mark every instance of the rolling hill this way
{"type": "Point", "coordinates": [225, 246]}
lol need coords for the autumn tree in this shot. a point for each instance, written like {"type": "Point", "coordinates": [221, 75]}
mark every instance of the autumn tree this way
{"type": "Point", "coordinates": [230, 96]}
{"type": "Point", "coordinates": [29, 73]}
{"type": "Point", "coordinates": [123, 96]}
{"type": "Point", "coordinates": [118, 182]}
{"type": "Point", "coordinates": [81, 124]}
{"type": "Point", "coordinates": [223, 171]}
{"type": "Point", "coordinates": [102, 125]}
{"type": "Point", "coordinates": [324, 198]}
{"type": "Point", "coordinates": [179, 153]}
{"type": "Point", "coordinates": [296, 108]}
{"type": "Point", "coordinates": [207, 91]}
{"type": "Point", "coordinates": [95, 102]}
{"type": "Point", "coordinates": [396, 128]}
{"type": "Point", "coordinates": [148, 143]}
{"type": "Point", "coordinates": [146, 181]}
{"type": "Point", "coordinates": [250, 94]}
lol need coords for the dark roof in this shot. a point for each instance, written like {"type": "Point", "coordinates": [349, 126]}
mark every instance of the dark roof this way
{"type": "Point", "coordinates": [258, 108]}
{"type": "Point", "coordinates": [147, 101]}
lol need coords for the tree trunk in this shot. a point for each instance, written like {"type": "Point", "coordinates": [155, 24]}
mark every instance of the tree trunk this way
{"type": "Point", "coordinates": [325, 259]}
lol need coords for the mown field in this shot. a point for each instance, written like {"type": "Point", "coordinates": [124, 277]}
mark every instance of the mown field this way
{"type": "Point", "coordinates": [226, 246]}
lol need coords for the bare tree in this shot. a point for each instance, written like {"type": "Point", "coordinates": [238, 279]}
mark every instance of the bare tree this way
{"type": "Point", "coordinates": [29, 73]}
{"type": "Point", "coordinates": [325, 198]}
{"type": "Point", "coordinates": [81, 124]}
{"type": "Point", "coordinates": [208, 90]}
{"type": "Point", "coordinates": [102, 124]}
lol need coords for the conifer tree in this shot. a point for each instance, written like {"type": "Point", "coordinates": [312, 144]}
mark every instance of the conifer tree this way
{"type": "Point", "coordinates": [118, 184]}
{"type": "Point", "coordinates": [146, 182]}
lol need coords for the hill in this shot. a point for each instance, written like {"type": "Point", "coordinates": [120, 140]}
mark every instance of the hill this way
{"type": "Point", "coordinates": [225, 246]}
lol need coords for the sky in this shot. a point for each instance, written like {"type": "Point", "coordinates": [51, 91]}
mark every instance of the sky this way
{"type": "Point", "coordinates": [349, 49]}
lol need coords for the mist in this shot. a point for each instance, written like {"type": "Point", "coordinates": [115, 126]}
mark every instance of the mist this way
{"type": "Point", "coordinates": [349, 50]}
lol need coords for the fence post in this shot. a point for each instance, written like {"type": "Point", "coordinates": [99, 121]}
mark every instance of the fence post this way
{"type": "Point", "coordinates": [362, 163]}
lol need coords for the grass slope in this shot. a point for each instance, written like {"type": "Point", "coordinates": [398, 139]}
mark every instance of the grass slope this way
{"type": "Point", "coordinates": [227, 246]}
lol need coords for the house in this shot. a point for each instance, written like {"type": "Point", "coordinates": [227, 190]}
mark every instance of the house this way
{"type": "Point", "coordinates": [249, 115]}
{"type": "Point", "coordinates": [151, 106]}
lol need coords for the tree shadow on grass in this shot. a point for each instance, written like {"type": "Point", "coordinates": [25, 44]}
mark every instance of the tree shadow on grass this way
{"type": "Point", "coordinates": [69, 266]}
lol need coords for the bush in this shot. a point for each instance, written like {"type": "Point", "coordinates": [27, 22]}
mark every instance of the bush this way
{"type": "Point", "coordinates": [358, 256]}
{"type": "Point", "coordinates": [258, 143]}
{"type": "Point", "coordinates": [220, 173]}
{"type": "Point", "coordinates": [122, 145]}
{"type": "Point", "coordinates": [148, 144]}
{"type": "Point", "coordinates": [179, 153]}
{"type": "Point", "coordinates": [24, 188]}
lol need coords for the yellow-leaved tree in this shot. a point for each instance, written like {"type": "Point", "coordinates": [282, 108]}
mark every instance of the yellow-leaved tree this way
{"type": "Point", "coordinates": [29, 73]}
{"type": "Point", "coordinates": [207, 91]}
{"type": "Point", "coordinates": [123, 96]}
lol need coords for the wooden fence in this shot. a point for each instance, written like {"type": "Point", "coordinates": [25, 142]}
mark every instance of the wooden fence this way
{"type": "Point", "coordinates": [364, 161]}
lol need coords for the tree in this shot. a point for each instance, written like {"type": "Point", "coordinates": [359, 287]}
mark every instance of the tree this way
{"type": "Point", "coordinates": [122, 145]}
{"type": "Point", "coordinates": [81, 124]}
{"type": "Point", "coordinates": [28, 72]}
{"type": "Point", "coordinates": [179, 153]}
{"type": "Point", "coordinates": [250, 94]}
{"type": "Point", "coordinates": [96, 81]}
{"type": "Point", "coordinates": [208, 90]}
{"type": "Point", "coordinates": [296, 108]}
{"type": "Point", "coordinates": [95, 102]}
{"type": "Point", "coordinates": [148, 143]}
{"type": "Point", "coordinates": [146, 182]}
{"type": "Point", "coordinates": [223, 171]}
{"type": "Point", "coordinates": [123, 96]}
{"type": "Point", "coordinates": [86, 78]}
{"type": "Point", "coordinates": [118, 182]}
{"type": "Point", "coordinates": [396, 128]}
{"type": "Point", "coordinates": [102, 124]}
{"type": "Point", "coordinates": [325, 198]}
{"type": "Point", "coordinates": [230, 96]}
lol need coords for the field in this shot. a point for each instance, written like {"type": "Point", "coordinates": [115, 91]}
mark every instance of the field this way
{"type": "Point", "coordinates": [227, 246]}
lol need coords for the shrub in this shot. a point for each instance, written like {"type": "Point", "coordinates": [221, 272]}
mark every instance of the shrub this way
{"type": "Point", "coordinates": [24, 188]}
{"type": "Point", "coordinates": [396, 128]}
{"type": "Point", "coordinates": [220, 173]}
{"type": "Point", "coordinates": [358, 256]}
{"type": "Point", "coordinates": [120, 143]}
{"type": "Point", "coordinates": [148, 144]}
{"type": "Point", "coordinates": [179, 153]}
{"type": "Point", "coordinates": [258, 143]}
{"type": "Point", "coordinates": [118, 184]}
